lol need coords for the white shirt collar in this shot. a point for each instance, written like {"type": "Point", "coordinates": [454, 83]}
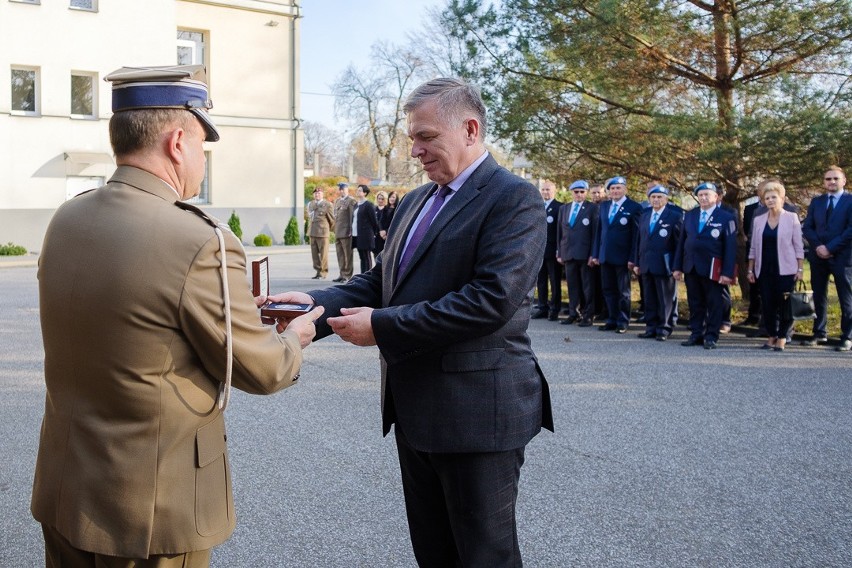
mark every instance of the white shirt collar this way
{"type": "Point", "coordinates": [466, 173]}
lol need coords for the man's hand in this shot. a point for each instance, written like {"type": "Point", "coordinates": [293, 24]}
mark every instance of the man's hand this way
{"type": "Point", "coordinates": [354, 326]}
{"type": "Point", "coordinates": [678, 275]}
{"type": "Point", "coordinates": [593, 262]}
{"type": "Point", "coordinates": [724, 280]}
{"type": "Point", "coordinates": [636, 270]}
{"type": "Point", "coordinates": [304, 325]}
{"type": "Point", "coordinates": [288, 298]}
{"type": "Point", "coordinates": [822, 252]}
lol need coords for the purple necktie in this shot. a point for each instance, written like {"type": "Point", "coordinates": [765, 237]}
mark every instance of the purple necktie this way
{"type": "Point", "coordinates": [421, 229]}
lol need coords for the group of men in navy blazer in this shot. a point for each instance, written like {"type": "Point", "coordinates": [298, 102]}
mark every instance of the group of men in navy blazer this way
{"type": "Point", "coordinates": [661, 245]}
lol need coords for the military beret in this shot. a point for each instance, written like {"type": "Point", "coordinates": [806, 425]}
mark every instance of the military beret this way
{"type": "Point", "coordinates": [342, 185]}
{"type": "Point", "coordinates": [579, 184]}
{"type": "Point", "coordinates": [658, 189]}
{"type": "Point", "coordinates": [615, 180]}
{"type": "Point", "coordinates": [173, 86]}
{"type": "Point", "coordinates": [705, 185]}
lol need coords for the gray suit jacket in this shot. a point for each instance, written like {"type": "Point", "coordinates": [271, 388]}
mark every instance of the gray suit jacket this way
{"type": "Point", "coordinates": [458, 372]}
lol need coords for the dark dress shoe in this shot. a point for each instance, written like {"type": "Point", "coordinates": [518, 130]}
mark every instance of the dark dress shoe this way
{"type": "Point", "coordinates": [621, 329]}
{"type": "Point", "coordinates": [317, 277]}
{"type": "Point", "coordinates": [778, 348]}
{"type": "Point", "coordinates": [692, 341]}
{"type": "Point", "coordinates": [845, 345]}
{"type": "Point", "coordinates": [553, 317]}
{"type": "Point", "coordinates": [709, 344]}
{"type": "Point", "coordinates": [607, 327]}
{"type": "Point", "coordinates": [585, 323]}
{"type": "Point", "coordinates": [339, 280]}
{"type": "Point", "coordinates": [661, 338]}
{"type": "Point", "coordinates": [647, 334]}
{"type": "Point", "coordinates": [767, 347]}
{"type": "Point", "coordinates": [570, 320]}
{"type": "Point", "coordinates": [538, 314]}
{"type": "Point", "coordinates": [815, 341]}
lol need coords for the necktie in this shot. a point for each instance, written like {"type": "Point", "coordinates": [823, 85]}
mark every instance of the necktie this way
{"type": "Point", "coordinates": [421, 229]}
{"type": "Point", "coordinates": [573, 218]}
{"type": "Point", "coordinates": [613, 209]}
{"type": "Point", "coordinates": [830, 209]}
{"type": "Point", "coordinates": [702, 221]}
{"type": "Point", "coordinates": [654, 218]}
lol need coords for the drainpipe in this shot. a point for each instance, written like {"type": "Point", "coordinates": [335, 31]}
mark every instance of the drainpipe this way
{"type": "Point", "coordinates": [295, 122]}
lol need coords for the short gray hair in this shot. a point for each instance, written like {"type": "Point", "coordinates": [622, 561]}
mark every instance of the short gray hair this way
{"type": "Point", "coordinates": [457, 99]}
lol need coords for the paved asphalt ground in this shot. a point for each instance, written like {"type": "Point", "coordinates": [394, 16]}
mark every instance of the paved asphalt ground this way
{"type": "Point", "coordinates": [663, 455]}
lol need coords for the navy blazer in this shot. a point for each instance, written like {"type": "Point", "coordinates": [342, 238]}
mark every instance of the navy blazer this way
{"type": "Point", "coordinates": [718, 239]}
{"type": "Point", "coordinates": [458, 371]}
{"type": "Point", "coordinates": [368, 226]}
{"type": "Point", "coordinates": [836, 234]}
{"type": "Point", "coordinates": [552, 212]}
{"type": "Point", "coordinates": [655, 251]}
{"type": "Point", "coordinates": [575, 243]}
{"type": "Point", "coordinates": [614, 243]}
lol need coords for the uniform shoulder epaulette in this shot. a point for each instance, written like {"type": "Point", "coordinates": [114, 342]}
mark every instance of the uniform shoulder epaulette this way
{"type": "Point", "coordinates": [193, 209]}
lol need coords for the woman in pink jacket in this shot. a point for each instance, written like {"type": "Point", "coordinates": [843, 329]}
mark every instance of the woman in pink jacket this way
{"type": "Point", "coordinates": [775, 260]}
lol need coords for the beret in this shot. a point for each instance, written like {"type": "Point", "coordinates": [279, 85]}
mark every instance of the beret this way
{"type": "Point", "coordinates": [579, 184]}
{"type": "Point", "coordinates": [615, 180]}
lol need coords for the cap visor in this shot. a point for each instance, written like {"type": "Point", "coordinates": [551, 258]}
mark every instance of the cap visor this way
{"type": "Point", "coordinates": [209, 127]}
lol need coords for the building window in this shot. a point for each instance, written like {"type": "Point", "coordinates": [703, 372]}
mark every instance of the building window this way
{"type": "Point", "coordinates": [25, 90]}
{"type": "Point", "coordinates": [203, 197]}
{"type": "Point", "coordinates": [190, 48]}
{"type": "Point", "coordinates": [84, 100]}
{"type": "Point", "coordinates": [88, 5]}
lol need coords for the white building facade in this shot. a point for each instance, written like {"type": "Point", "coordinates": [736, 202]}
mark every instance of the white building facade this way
{"type": "Point", "coordinates": [55, 106]}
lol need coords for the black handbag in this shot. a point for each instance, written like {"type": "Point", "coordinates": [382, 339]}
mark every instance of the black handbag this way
{"type": "Point", "coordinates": [799, 304]}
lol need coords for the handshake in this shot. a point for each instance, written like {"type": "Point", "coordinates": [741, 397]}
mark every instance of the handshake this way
{"type": "Point", "coordinates": [353, 325]}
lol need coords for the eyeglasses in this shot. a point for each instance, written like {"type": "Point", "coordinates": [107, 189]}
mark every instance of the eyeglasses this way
{"type": "Point", "coordinates": [832, 179]}
{"type": "Point", "coordinates": [579, 190]}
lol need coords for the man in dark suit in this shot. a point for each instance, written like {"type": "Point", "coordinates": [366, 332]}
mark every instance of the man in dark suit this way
{"type": "Point", "coordinates": [615, 239]}
{"type": "Point", "coordinates": [659, 231]}
{"type": "Point", "coordinates": [550, 273]}
{"type": "Point", "coordinates": [828, 229]}
{"type": "Point", "coordinates": [576, 227]}
{"type": "Point", "coordinates": [365, 226]}
{"type": "Point", "coordinates": [448, 305]}
{"type": "Point", "coordinates": [706, 258]}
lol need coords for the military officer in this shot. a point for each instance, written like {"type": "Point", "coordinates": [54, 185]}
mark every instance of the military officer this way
{"type": "Point", "coordinates": [321, 223]}
{"type": "Point", "coordinates": [578, 222]}
{"type": "Point", "coordinates": [147, 321]}
{"type": "Point", "coordinates": [706, 260]}
{"type": "Point", "coordinates": [344, 207]}
{"type": "Point", "coordinates": [659, 231]}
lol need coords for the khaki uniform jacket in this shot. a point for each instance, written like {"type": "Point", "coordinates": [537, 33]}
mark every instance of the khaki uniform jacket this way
{"type": "Point", "coordinates": [321, 218]}
{"type": "Point", "coordinates": [132, 459]}
{"type": "Point", "coordinates": [343, 209]}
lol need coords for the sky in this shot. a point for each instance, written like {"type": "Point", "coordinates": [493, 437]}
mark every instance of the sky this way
{"type": "Point", "coordinates": [336, 33]}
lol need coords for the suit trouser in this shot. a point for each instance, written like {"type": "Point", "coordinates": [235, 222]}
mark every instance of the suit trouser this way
{"type": "Point", "coordinates": [343, 246]}
{"type": "Point", "coordinates": [58, 553]}
{"type": "Point", "coordinates": [600, 302]}
{"type": "Point", "coordinates": [615, 279]}
{"type": "Point", "coordinates": [706, 306]}
{"type": "Point", "coordinates": [550, 273]}
{"type": "Point", "coordinates": [820, 271]}
{"type": "Point", "coordinates": [319, 253]}
{"type": "Point", "coordinates": [461, 506]}
{"type": "Point", "coordinates": [366, 258]}
{"type": "Point", "coordinates": [581, 289]}
{"type": "Point", "coordinates": [660, 293]}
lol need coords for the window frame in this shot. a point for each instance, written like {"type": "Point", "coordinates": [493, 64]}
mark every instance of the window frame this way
{"type": "Point", "coordinates": [94, 7]}
{"type": "Point", "coordinates": [36, 90]}
{"type": "Point", "coordinates": [93, 76]}
{"type": "Point", "coordinates": [203, 197]}
{"type": "Point", "coordinates": [32, 2]}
